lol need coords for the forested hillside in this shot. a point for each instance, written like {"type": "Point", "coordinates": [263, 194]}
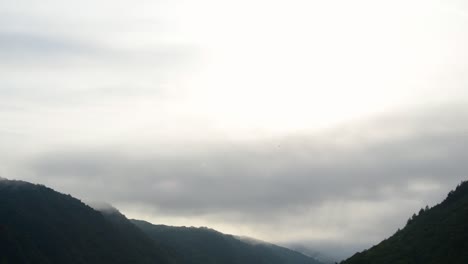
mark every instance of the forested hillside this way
{"type": "Point", "coordinates": [207, 246]}
{"type": "Point", "coordinates": [433, 236]}
{"type": "Point", "coordinates": [39, 225]}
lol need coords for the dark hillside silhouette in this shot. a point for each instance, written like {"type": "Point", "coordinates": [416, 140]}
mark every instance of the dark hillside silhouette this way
{"type": "Point", "coordinates": [433, 236]}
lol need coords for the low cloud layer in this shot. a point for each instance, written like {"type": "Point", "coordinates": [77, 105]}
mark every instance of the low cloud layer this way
{"type": "Point", "coordinates": [354, 184]}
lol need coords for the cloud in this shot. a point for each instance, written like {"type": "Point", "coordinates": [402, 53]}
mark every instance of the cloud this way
{"type": "Point", "coordinates": [376, 172]}
{"type": "Point", "coordinates": [56, 63]}
{"type": "Point", "coordinates": [64, 50]}
{"type": "Point", "coordinates": [14, 44]}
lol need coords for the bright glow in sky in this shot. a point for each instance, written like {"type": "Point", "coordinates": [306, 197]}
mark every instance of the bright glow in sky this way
{"type": "Point", "coordinates": [250, 69]}
{"type": "Point", "coordinates": [276, 66]}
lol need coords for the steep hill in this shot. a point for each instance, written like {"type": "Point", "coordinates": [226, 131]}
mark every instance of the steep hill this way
{"type": "Point", "coordinates": [433, 236]}
{"type": "Point", "coordinates": [202, 245]}
{"type": "Point", "coordinates": [39, 225]}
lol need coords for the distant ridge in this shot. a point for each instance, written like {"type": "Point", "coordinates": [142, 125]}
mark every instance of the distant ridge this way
{"type": "Point", "coordinates": [207, 246]}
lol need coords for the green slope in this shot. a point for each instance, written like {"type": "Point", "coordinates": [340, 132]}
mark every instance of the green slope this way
{"type": "Point", "coordinates": [207, 246]}
{"type": "Point", "coordinates": [435, 236]}
{"type": "Point", "coordinates": [39, 225]}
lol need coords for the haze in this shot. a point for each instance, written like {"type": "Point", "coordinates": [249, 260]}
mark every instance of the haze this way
{"type": "Point", "coordinates": [323, 123]}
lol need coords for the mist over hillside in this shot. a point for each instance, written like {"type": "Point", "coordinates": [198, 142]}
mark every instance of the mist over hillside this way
{"type": "Point", "coordinates": [40, 225]}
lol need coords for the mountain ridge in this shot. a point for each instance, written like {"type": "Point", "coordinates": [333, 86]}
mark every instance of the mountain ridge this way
{"type": "Point", "coordinates": [203, 245]}
{"type": "Point", "coordinates": [39, 225]}
{"type": "Point", "coordinates": [433, 235]}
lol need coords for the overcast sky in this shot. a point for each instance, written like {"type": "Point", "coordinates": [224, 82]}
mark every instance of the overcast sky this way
{"type": "Point", "coordinates": [319, 122]}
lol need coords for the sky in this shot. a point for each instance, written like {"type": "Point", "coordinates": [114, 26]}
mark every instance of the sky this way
{"type": "Point", "coordinates": [322, 123]}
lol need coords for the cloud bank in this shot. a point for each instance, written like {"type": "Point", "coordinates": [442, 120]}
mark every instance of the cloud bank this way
{"type": "Point", "coordinates": [355, 183]}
